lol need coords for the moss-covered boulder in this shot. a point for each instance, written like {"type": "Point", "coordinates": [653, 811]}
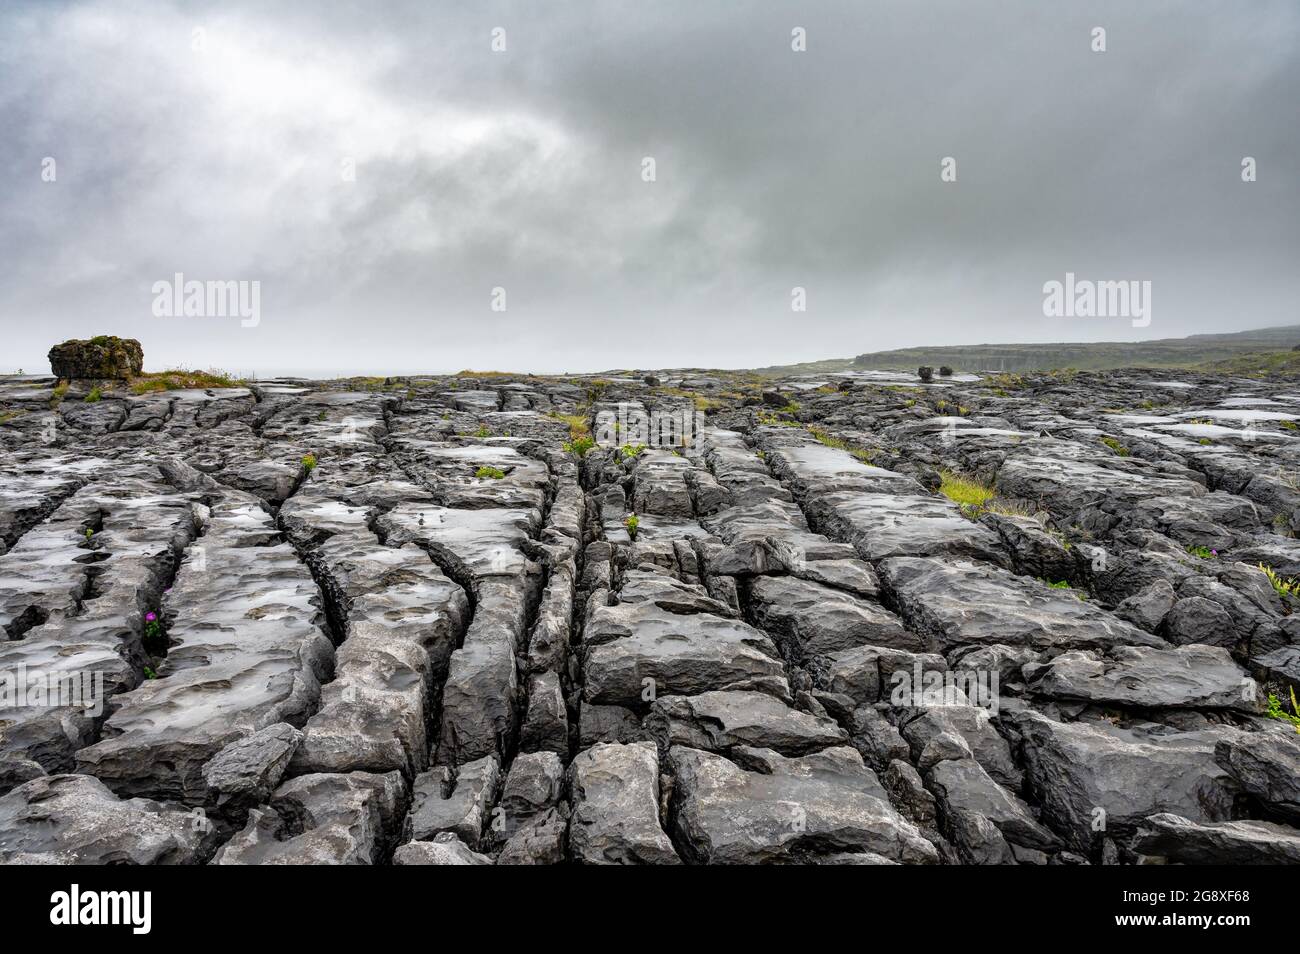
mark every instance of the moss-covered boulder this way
{"type": "Point", "coordinates": [101, 357]}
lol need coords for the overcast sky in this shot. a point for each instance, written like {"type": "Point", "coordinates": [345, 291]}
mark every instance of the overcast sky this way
{"type": "Point", "coordinates": [214, 140]}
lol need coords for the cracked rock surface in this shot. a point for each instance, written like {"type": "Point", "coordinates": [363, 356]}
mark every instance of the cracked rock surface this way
{"type": "Point", "coordinates": [427, 621]}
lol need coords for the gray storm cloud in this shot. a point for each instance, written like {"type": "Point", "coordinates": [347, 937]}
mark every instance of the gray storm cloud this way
{"type": "Point", "coordinates": [380, 169]}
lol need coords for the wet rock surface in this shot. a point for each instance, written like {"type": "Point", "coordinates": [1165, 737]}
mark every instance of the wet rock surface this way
{"type": "Point", "coordinates": [850, 620]}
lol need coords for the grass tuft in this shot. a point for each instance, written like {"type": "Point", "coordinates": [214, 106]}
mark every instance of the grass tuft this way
{"type": "Point", "coordinates": [1275, 711]}
{"type": "Point", "coordinates": [578, 426]}
{"type": "Point", "coordinates": [1281, 585]}
{"type": "Point", "coordinates": [964, 491]}
{"type": "Point", "coordinates": [579, 446]}
{"type": "Point", "coordinates": [178, 379]}
{"type": "Point", "coordinates": [631, 451]}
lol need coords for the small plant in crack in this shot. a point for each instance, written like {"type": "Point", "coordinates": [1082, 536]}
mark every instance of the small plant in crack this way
{"type": "Point", "coordinates": [155, 642]}
{"type": "Point", "coordinates": [631, 451]}
{"type": "Point", "coordinates": [579, 446]}
{"type": "Point", "coordinates": [1275, 711]}
{"type": "Point", "coordinates": [95, 395]}
{"type": "Point", "coordinates": [150, 672]}
{"type": "Point", "coordinates": [1205, 553]}
{"type": "Point", "coordinates": [768, 419]}
{"type": "Point", "coordinates": [1281, 585]}
{"type": "Point", "coordinates": [1064, 585]}
{"type": "Point", "coordinates": [632, 523]}
{"type": "Point", "coordinates": [489, 473]}
{"type": "Point", "coordinates": [482, 432]}
{"type": "Point", "coordinates": [309, 462]}
{"type": "Point", "coordinates": [970, 495]}
{"type": "Point", "coordinates": [577, 423]}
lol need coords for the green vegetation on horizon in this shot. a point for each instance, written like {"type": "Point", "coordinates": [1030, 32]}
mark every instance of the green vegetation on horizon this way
{"type": "Point", "coordinates": [1244, 352]}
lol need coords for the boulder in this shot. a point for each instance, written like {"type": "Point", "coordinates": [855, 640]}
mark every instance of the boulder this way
{"type": "Point", "coordinates": [76, 820]}
{"type": "Point", "coordinates": [445, 849]}
{"type": "Point", "coordinates": [1094, 778]}
{"type": "Point", "coordinates": [454, 800]}
{"type": "Point", "coordinates": [790, 811]}
{"type": "Point", "coordinates": [105, 357]}
{"type": "Point", "coordinates": [1177, 840]}
{"type": "Point", "coordinates": [1146, 678]}
{"type": "Point", "coordinates": [248, 769]}
{"type": "Point", "coordinates": [718, 721]}
{"type": "Point", "coordinates": [1267, 766]}
{"type": "Point", "coordinates": [615, 792]}
{"type": "Point", "coordinates": [323, 819]}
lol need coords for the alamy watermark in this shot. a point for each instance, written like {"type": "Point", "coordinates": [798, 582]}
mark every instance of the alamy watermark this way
{"type": "Point", "coordinates": [1083, 298]}
{"type": "Point", "coordinates": [923, 689]}
{"type": "Point", "coordinates": [80, 688]}
{"type": "Point", "coordinates": [674, 428]}
{"type": "Point", "coordinates": [130, 908]}
{"type": "Point", "coordinates": [179, 298]}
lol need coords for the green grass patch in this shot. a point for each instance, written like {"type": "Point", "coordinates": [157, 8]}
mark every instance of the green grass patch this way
{"type": "Point", "coordinates": [178, 379]}
{"type": "Point", "coordinates": [1011, 508]}
{"type": "Point", "coordinates": [824, 436]}
{"type": "Point", "coordinates": [1064, 585]}
{"type": "Point", "coordinates": [578, 426]}
{"type": "Point", "coordinates": [579, 446]}
{"type": "Point", "coordinates": [965, 491]}
{"type": "Point", "coordinates": [1004, 383]}
{"type": "Point", "coordinates": [489, 473]}
{"type": "Point", "coordinates": [702, 402]}
{"type": "Point", "coordinates": [1256, 364]}
{"type": "Point", "coordinates": [1275, 711]}
{"type": "Point", "coordinates": [1281, 585]}
{"type": "Point", "coordinates": [768, 419]}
